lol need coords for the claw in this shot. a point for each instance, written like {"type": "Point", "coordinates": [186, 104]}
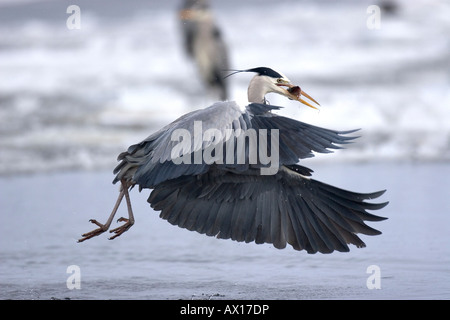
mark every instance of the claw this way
{"type": "Point", "coordinates": [123, 228]}
{"type": "Point", "coordinates": [102, 228]}
{"type": "Point", "coordinates": [96, 222]}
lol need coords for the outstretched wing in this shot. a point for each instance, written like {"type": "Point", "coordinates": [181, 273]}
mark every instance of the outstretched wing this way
{"type": "Point", "coordinates": [298, 140]}
{"type": "Point", "coordinates": [152, 160]}
{"type": "Point", "coordinates": [159, 157]}
{"type": "Point", "coordinates": [278, 209]}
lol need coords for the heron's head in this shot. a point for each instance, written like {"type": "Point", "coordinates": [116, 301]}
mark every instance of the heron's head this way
{"type": "Point", "coordinates": [268, 80]}
{"type": "Point", "coordinates": [195, 10]}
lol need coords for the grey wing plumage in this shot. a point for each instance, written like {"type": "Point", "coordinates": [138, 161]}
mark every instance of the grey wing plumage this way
{"type": "Point", "coordinates": [281, 209]}
{"type": "Point", "coordinates": [152, 161]}
{"type": "Point", "coordinates": [237, 202]}
{"type": "Point", "coordinates": [297, 140]}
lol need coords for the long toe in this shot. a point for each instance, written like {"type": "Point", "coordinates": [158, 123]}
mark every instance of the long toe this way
{"type": "Point", "coordinates": [102, 228]}
{"type": "Point", "coordinates": [123, 228]}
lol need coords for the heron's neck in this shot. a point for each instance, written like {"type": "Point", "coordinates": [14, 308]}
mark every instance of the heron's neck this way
{"type": "Point", "coordinates": [257, 89]}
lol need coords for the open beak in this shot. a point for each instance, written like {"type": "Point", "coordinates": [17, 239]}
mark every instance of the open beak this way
{"type": "Point", "coordinates": [294, 92]}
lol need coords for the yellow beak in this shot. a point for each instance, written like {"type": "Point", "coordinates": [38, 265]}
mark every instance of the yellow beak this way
{"type": "Point", "coordinates": [295, 93]}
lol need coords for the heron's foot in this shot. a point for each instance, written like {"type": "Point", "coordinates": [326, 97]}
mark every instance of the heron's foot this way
{"type": "Point", "coordinates": [123, 228]}
{"type": "Point", "coordinates": [102, 228]}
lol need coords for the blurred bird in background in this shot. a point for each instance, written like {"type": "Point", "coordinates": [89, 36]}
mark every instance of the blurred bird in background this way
{"type": "Point", "coordinates": [203, 43]}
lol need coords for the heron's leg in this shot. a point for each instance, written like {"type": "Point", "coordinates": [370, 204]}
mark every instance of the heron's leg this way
{"type": "Point", "coordinates": [103, 227]}
{"type": "Point", "coordinates": [128, 222]}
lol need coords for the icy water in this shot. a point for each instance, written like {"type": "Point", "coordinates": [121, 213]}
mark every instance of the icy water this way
{"type": "Point", "coordinates": [44, 215]}
{"type": "Point", "coordinates": [72, 100]}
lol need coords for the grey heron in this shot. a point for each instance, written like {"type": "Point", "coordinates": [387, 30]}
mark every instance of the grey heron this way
{"type": "Point", "coordinates": [233, 199]}
{"type": "Point", "coordinates": [204, 43]}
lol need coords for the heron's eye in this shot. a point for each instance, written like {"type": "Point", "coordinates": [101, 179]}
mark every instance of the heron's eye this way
{"type": "Point", "coordinates": [279, 80]}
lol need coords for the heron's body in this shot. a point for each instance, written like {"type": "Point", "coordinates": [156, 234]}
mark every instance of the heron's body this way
{"type": "Point", "coordinates": [231, 197]}
{"type": "Point", "coordinates": [204, 43]}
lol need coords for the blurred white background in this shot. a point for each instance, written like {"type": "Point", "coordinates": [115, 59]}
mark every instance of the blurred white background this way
{"type": "Point", "coordinates": [74, 99]}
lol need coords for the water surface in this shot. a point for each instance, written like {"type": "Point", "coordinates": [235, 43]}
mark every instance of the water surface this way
{"type": "Point", "coordinates": [44, 215]}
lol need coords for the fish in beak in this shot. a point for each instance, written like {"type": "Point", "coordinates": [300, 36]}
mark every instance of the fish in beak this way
{"type": "Point", "coordinates": [294, 93]}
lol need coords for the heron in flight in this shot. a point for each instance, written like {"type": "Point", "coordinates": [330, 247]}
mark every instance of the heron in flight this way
{"type": "Point", "coordinates": [203, 42]}
{"type": "Point", "coordinates": [220, 187]}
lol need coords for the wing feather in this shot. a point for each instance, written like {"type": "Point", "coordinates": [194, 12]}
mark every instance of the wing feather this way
{"type": "Point", "coordinates": [151, 161]}
{"type": "Point", "coordinates": [286, 208]}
